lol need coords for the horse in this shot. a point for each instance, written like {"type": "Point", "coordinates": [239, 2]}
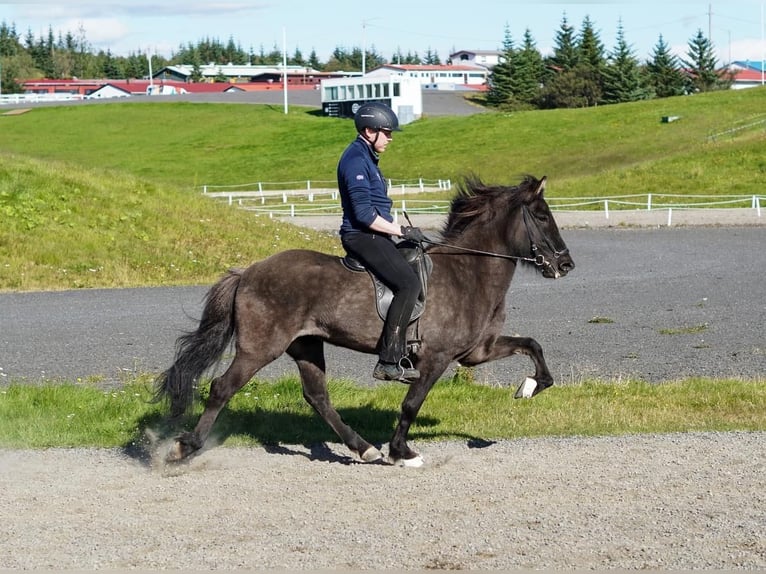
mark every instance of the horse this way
{"type": "Point", "coordinates": [297, 300]}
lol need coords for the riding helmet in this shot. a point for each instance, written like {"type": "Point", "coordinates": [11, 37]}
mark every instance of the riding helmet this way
{"type": "Point", "coordinates": [376, 116]}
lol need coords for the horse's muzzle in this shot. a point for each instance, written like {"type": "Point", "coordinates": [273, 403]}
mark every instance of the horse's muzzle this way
{"type": "Point", "coordinates": [561, 264]}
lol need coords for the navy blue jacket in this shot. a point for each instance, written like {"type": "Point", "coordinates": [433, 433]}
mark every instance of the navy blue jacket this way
{"type": "Point", "coordinates": [362, 187]}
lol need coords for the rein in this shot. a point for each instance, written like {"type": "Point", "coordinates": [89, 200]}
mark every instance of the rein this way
{"type": "Point", "coordinates": [537, 259]}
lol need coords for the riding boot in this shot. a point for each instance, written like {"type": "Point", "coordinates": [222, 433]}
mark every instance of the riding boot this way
{"type": "Point", "coordinates": [392, 364]}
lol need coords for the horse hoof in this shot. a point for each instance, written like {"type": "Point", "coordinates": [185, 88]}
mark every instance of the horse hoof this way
{"type": "Point", "coordinates": [526, 389]}
{"type": "Point", "coordinates": [175, 453]}
{"type": "Point", "coordinates": [372, 454]}
{"type": "Point", "coordinates": [414, 462]}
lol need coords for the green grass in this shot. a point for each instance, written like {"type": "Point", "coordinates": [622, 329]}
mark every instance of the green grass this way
{"type": "Point", "coordinates": [72, 415]}
{"type": "Point", "coordinates": [109, 195]}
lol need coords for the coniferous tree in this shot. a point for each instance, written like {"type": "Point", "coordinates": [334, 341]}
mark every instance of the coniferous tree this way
{"type": "Point", "coordinates": [665, 77]}
{"type": "Point", "coordinates": [622, 76]}
{"type": "Point", "coordinates": [500, 91]}
{"type": "Point", "coordinates": [565, 53]}
{"type": "Point", "coordinates": [702, 75]}
{"type": "Point", "coordinates": [590, 63]}
{"type": "Point", "coordinates": [529, 72]}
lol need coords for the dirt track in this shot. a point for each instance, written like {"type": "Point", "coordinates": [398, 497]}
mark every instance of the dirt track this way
{"type": "Point", "coordinates": [691, 501]}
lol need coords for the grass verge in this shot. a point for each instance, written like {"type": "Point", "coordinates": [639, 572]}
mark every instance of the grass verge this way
{"type": "Point", "coordinates": [82, 415]}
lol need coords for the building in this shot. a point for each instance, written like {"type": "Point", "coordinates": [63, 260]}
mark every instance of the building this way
{"type": "Point", "coordinates": [341, 97]}
{"type": "Point", "coordinates": [485, 58]}
{"type": "Point", "coordinates": [233, 73]}
{"type": "Point", "coordinates": [442, 76]}
{"type": "Point", "coordinates": [747, 74]}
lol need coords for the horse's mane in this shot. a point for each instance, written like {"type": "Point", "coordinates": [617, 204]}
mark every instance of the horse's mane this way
{"type": "Point", "coordinates": [475, 201]}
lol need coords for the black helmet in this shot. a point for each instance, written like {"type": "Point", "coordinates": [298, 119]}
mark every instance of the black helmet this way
{"type": "Point", "coordinates": [376, 116]}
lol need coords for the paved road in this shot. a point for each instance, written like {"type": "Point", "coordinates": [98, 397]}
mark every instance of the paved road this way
{"type": "Point", "coordinates": [708, 280]}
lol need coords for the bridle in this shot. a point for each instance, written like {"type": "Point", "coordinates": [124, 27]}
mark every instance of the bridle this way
{"type": "Point", "coordinates": [537, 258]}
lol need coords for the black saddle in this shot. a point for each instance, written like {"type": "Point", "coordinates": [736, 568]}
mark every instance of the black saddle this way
{"type": "Point", "coordinates": [421, 263]}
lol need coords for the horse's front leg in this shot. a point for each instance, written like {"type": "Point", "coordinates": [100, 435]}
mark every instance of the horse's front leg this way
{"type": "Point", "coordinates": [398, 449]}
{"type": "Point", "coordinates": [505, 346]}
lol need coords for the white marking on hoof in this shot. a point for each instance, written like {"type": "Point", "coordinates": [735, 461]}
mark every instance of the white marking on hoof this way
{"type": "Point", "coordinates": [415, 462]}
{"type": "Point", "coordinates": [371, 455]}
{"type": "Point", "coordinates": [526, 389]}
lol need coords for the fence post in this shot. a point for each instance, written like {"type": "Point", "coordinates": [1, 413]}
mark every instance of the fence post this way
{"type": "Point", "coordinates": [204, 189]}
{"type": "Point", "coordinates": [670, 216]}
{"type": "Point", "coordinates": [284, 197]}
{"type": "Point", "coordinates": [404, 206]}
{"type": "Point", "coordinates": [758, 206]}
{"type": "Point", "coordinates": [421, 183]}
{"type": "Point", "coordinates": [292, 210]}
{"type": "Point", "coordinates": [231, 198]}
{"type": "Point", "coordinates": [606, 208]}
{"type": "Point", "coordinates": [649, 202]}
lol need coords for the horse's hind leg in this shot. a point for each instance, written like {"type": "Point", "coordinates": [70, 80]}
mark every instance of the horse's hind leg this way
{"type": "Point", "coordinates": [242, 369]}
{"type": "Point", "coordinates": [308, 353]}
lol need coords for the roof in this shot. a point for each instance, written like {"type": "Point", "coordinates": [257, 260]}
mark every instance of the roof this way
{"type": "Point", "coordinates": [479, 52]}
{"type": "Point", "coordinates": [748, 65]}
{"type": "Point", "coordinates": [432, 68]}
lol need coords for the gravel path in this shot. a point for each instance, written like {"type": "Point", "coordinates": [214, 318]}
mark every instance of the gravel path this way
{"type": "Point", "coordinates": [689, 501]}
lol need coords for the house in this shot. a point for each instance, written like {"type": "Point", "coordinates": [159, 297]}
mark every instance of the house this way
{"type": "Point", "coordinates": [441, 76]}
{"type": "Point", "coordinates": [485, 58]}
{"type": "Point", "coordinates": [747, 74]}
{"type": "Point", "coordinates": [235, 74]}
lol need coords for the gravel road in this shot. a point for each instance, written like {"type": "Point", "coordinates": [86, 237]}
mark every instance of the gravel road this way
{"type": "Point", "coordinates": [687, 501]}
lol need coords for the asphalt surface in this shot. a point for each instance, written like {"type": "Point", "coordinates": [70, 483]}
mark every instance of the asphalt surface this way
{"type": "Point", "coordinates": [651, 303]}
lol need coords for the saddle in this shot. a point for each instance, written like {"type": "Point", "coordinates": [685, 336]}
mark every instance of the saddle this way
{"type": "Point", "coordinates": [421, 263]}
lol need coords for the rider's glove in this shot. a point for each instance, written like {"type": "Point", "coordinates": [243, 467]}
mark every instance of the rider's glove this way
{"type": "Point", "coordinates": [413, 234]}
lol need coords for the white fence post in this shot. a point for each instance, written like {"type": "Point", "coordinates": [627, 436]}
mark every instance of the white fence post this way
{"type": "Point", "coordinates": [758, 206]}
{"type": "Point", "coordinates": [649, 202]}
{"type": "Point", "coordinates": [670, 216]}
{"type": "Point", "coordinates": [606, 208]}
{"type": "Point", "coordinates": [204, 189]}
{"type": "Point", "coordinates": [421, 183]}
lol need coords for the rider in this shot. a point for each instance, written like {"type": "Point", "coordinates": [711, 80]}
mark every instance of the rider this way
{"type": "Point", "coordinates": [368, 227]}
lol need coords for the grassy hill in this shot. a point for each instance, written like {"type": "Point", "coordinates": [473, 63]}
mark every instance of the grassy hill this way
{"type": "Point", "coordinates": [109, 195]}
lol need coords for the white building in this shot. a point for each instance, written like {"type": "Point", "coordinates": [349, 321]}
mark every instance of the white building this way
{"type": "Point", "coordinates": [486, 58]}
{"type": "Point", "coordinates": [341, 97]}
{"type": "Point", "coordinates": [437, 76]}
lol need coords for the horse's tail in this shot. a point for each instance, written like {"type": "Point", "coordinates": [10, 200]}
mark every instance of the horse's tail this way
{"type": "Point", "coordinates": [199, 350]}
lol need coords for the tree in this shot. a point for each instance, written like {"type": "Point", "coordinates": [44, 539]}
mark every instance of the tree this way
{"type": "Point", "coordinates": [701, 67]}
{"type": "Point", "coordinates": [622, 75]}
{"type": "Point", "coordinates": [665, 77]}
{"type": "Point", "coordinates": [431, 58]}
{"type": "Point", "coordinates": [528, 73]}
{"type": "Point", "coordinates": [590, 63]}
{"type": "Point", "coordinates": [500, 91]}
{"type": "Point", "coordinates": [565, 54]}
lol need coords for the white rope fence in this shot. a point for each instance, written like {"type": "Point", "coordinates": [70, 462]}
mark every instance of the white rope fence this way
{"type": "Point", "coordinates": [316, 198]}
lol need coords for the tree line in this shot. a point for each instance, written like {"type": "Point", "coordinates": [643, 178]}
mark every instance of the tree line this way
{"type": "Point", "coordinates": [579, 73]}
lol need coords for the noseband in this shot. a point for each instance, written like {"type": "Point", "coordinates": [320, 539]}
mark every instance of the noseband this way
{"type": "Point", "coordinates": [537, 259]}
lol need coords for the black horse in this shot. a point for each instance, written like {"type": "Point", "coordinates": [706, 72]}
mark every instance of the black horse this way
{"type": "Point", "coordinates": [295, 301]}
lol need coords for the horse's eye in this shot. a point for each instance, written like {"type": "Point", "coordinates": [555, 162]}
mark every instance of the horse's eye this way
{"type": "Point", "coordinates": [541, 217]}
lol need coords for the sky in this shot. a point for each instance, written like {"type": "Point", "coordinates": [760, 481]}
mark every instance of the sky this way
{"type": "Point", "coordinates": [160, 27]}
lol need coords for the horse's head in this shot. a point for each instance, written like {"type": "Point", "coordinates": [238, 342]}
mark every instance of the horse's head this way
{"type": "Point", "coordinates": [510, 222]}
{"type": "Point", "coordinates": [548, 250]}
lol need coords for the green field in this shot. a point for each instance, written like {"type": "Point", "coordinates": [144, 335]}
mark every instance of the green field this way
{"type": "Point", "coordinates": [110, 196]}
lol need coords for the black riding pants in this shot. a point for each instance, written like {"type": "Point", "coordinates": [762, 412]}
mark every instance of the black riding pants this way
{"type": "Point", "coordinates": [380, 255]}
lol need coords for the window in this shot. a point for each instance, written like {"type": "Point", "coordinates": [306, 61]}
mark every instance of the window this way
{"type": "Point", "coordinates": [397, 91]}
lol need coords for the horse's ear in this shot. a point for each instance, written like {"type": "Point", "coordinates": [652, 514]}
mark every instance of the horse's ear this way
{"type": "Point", "coordinates": [541, 186]}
